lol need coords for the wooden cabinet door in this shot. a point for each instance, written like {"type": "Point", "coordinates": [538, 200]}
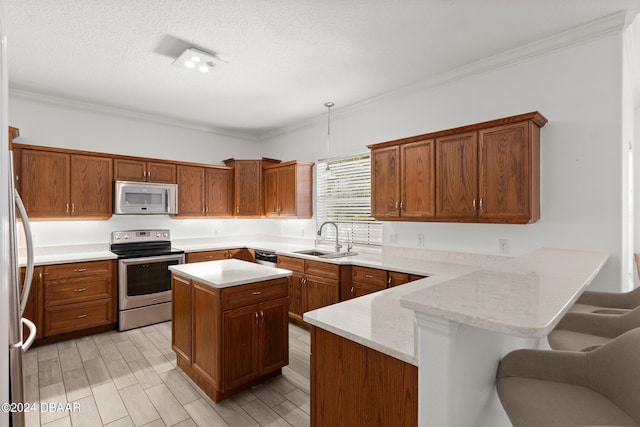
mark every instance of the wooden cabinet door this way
{"type": "Point", "coordinates": [240, 346]}
{"type": "Point", "coordinates": [274, 335]}
{"type": "Point", "coordinates": [181, 307]}
{"type": "Point", "coordinates": [418, 186]}
{"type": "Point", "coordinates": [320, 292]}
{"type": "Point", "coordinates": [161, 172]}
{"type": "Point", "coordinates": [207, 256]}
{"type": "Point", "coordinates": [34, 309]}
{"type": "Point", "coordinates": [91, 186]}
{"type": "Point", "coordinates": [296, 295]}
{"type": "Point", "coordinates": [17, 169]}
{"type": "Point", "coordinates": [396, 279]}
{"type": "Point", "coordinates": [129, 170]}
{"type": "Point", "coordinates": [190, 191]}
{"type": "Point", "coordinates": [218, 192]}
{"type": "Point", "coordinates": [248, 188]}
{"type": "Point", "coordinates": [385, 182]}
{"type": "Point", "coordinates": [206, 332]}
{"type": "Point", "coordinates": [457, 176]}
{"type": "Point", "coordinates": [288, 191]}
{"type": "Point", "coordinates": [45, 184]}
{"type": "Point", "coordinates": [505, 171]}
{"type": "Point", "coordinates": [271, 192]}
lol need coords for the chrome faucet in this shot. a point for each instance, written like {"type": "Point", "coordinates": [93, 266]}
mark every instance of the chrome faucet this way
{"type": "Point", "coordinates": [338, 245]}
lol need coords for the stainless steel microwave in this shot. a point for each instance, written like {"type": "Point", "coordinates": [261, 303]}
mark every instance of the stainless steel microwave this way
{"type": "Point", "coordinates": [144, 198]}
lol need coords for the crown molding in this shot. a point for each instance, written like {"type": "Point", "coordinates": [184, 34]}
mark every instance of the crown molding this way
{"type": "Point", "coordinates": [599, 28]}
{"type": "Point", "coordinates": [57, 101]}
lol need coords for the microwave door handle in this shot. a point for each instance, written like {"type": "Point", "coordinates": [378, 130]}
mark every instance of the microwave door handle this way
{"type": "Point", "coordinates": [166, 200]}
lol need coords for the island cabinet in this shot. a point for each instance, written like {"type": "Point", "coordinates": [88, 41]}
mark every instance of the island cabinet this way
{"type": "Point", "coordinates": [205, 191]}
{"type": "Point", "coordinates": [354, 385]}
{"type": "Point", "coordinates": [144, 171]}
{"type": "Point", "coordinates": [59, 185]}
{"type": "Point", "coordinates": [229, 339]}
{"type": "Point", "coordinates": [313, 284]}
{"type": "Point", "coordinates": [288, 190]}
{"type": "Point", "coordinates": [403, 179]}
{"type": "Point", "coordinates": [486, 172]}
{"type": "Point", "coordinates": [248, 192]}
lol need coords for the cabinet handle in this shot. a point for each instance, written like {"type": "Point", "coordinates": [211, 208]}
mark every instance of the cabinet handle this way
{"type": "Point", "coordinates": [262, 316]}
{"type": "Point", "coordinates": [474, 204]}
{"type": "Point", "coordinates": [256, 293]}
{"type": "Point", "coordinates": [40, 275]}
{"type": "Point", "coordinates": [206, 209]}
{"type": "Point", "coordinates": [368, 276]}
{"type": "Point", "coordinates": [80, 290]}
{"type": "Point", "coordinates": [352, 291]}
{"type": "Point", "coordinates": [82, 316]}
{"type": "Point", "coordinates": [237, 209]}
{"type": "Point", "coordinates": [480, 203]}
{"type": "Point", "coordinates": [80, 270]}
{"type": "Point", "coordinates": [256, 313]}
{"type": "Point", "coordinates": [397, 204]}
{"type": "Point", "coordinates": [73, 207]}
{"type": "Point", "coordinates": [67, 207]}
{"type": "Point", "coordinates": [389, 281]}
{"type": "Point", "coordinates": [208, 257]}
{"type": "Point", "coordinates": [401, 204]}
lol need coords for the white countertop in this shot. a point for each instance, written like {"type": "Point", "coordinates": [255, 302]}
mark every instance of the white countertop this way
{"type": "Point", "coordinates": [524, 296]}
{"type": "Point", "coordinates": [228, 272]}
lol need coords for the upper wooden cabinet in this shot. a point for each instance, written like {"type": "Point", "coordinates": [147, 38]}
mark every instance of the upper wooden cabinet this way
{"type": "Point", "coordinates": [288, 190]}
{"type": "Point", "coordinates": [205, 191]}
{"type": "Point", "coordinates": [60, 185]}
{"type": "Point", "coordinates": [141, 171]}
{"type": "Point", "coordinates": [403, 176]}
{"type": "Point", "coordinates": [486, 172]}
{"type": "Point", "coordinates": [248, 186]}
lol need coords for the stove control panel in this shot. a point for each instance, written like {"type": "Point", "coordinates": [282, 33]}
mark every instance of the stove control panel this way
{"type": "Point", "coordinates": [128, 236]}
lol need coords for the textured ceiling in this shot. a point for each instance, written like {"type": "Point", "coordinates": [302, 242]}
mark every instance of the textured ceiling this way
{"type": "Point", "coordinates": [286, 57]}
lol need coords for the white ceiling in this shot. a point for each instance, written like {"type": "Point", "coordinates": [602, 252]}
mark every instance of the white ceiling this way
{"type": "Point", "coordinates": [286, 57]}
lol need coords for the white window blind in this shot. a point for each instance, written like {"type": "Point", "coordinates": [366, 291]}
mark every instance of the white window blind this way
{"type": "Point", "coordinates": [344, 196]}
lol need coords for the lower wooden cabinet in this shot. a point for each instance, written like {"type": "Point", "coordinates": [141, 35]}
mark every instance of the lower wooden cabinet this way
{"type": "Point", "coordinates": [78, 296]}
{"type": "Point", "coordinates": [356, 386]}
{"type": "Point", "coordinates": [239, 253]}
{"type": "Point", "coordinates": [312, 285]}
{"type": "Point", "coordinates": [229, 339]}
{"type": "Point", "coordinates": [33, 310]}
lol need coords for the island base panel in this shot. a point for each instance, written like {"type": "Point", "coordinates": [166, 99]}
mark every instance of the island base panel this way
{"type": "Point", "coordinates": [354, 385]}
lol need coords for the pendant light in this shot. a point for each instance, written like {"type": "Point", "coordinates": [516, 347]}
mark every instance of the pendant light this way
{"type": "Point", "coordinates": [329, 104]}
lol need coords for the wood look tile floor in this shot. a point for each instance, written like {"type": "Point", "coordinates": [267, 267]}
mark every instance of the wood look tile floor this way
{"type": "Point", "coordinates": [130, 379]}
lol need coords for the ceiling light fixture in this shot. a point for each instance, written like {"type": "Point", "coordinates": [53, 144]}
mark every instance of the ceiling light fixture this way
{"type": "Point", "coordinates": [198, 60]}
{"type": "Point", "coordinates": [329, 104]}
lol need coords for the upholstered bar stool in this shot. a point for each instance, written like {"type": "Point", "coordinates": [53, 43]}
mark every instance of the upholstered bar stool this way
{"type": "Point", "coordinates": [583, 331]}
{"type": "Point", "coordinates": [607, 302]}
{"type": "Point", "coordinates": [564, 389]}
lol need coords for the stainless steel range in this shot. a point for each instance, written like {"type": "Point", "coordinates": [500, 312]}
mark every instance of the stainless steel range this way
{"type": "Point", "coordinates": [144, 279]}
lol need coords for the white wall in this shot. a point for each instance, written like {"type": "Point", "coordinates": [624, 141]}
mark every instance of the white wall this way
{"type": "Point", "coordinates": [577, 88]}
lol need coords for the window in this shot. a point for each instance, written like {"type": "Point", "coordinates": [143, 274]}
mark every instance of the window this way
{"type": "Point", "coordinates": [344, 196]}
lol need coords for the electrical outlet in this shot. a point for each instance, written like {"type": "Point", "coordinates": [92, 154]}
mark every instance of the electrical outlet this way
{"type": "Point", "coordinates": [503, 246]}
{"type": "Point", "coordinates": [393, 238]}
{"type": "Point", "coordinates": [420, 239]}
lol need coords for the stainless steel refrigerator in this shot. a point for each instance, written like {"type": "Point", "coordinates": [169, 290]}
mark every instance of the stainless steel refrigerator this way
{"type": "Point", "coordinates": [17, 295]}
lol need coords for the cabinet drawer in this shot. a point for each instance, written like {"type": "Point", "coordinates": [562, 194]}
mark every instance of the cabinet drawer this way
{"type": "Point", "coordinates": [68, 291]}
{"type": "Point", "coordinates": [371, 276]}
{"type": "Point", "coordinates": [240, 296]}
{"type": "Point", "coordinates": [78, 269]}
{"type": "Point", "coordinates": [324, 269]}
{"type": "Point", "coordinates": [290, 263]}
{"type": "Point", "coordinates": [74, 317]}
{"type": "Point", "coordinates": [207, 256]}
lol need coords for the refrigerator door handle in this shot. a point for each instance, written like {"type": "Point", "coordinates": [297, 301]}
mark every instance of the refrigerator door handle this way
{"type": "Point", "coordinates": [30, 261]}
{"type": "Point", "coordinates": [32, 333]}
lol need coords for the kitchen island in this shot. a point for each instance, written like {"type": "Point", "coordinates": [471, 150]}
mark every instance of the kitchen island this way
{"type": "Point", "coordinates": [229, 324]}
{"type": "Point", "coordinates": [454, 326]}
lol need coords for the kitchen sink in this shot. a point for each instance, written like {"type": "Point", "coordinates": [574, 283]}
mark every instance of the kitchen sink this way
{"type": "Point", "coordinates": [313, 252]}
{"type": "Point", "coordinates": [325, 254]}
